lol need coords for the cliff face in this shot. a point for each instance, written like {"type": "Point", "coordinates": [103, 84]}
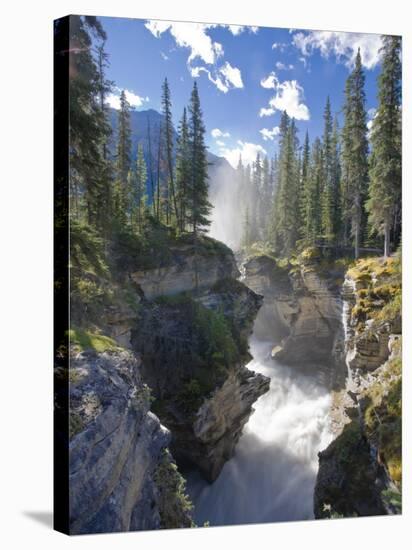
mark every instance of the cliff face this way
{"type": "Point", "coordinates": [302, 306]}
{"type": "Point", "coordinates": [194, 348]}
{"type": "Point", "coordinates": [182, 320]}
{"type": "Point", "coordinates": [360, 472]}
{"type": "Point", "coordinates": [120, 468]}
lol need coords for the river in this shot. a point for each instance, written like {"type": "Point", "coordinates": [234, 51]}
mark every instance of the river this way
{"type": "Point", "coordinates": [272, 474]}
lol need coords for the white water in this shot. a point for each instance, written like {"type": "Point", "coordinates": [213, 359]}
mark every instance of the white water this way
{"type": "Point", "coordinates": [273, 473]}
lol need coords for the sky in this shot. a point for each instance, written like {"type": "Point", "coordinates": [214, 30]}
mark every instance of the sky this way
{"type": "Point", "coordinates": [246, 76]}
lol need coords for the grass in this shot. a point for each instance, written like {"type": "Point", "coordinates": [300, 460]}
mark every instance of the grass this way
{"type": "Point", "coordinates": [84, 340]}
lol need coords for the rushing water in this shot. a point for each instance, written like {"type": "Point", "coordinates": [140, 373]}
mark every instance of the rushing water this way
{"type": "Point", "coordinates": [273, 472]}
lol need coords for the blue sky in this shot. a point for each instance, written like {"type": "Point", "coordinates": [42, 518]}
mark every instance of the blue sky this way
{"type": "Point", "coordinates": [246, 76]}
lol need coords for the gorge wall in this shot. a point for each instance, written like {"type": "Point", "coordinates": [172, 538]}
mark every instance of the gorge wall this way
{"type": "Point", "coordinates": [157, 375]}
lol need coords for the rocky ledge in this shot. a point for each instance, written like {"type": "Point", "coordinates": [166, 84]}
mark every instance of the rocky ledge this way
{"type": "Point", "coordinates": [122, 476]}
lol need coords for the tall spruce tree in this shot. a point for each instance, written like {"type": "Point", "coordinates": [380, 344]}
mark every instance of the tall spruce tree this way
{"type": "Point", "coordinates": [335, 181]}
{"type": "Point", "coordinates": [312, 195]}
{"type": "Point", "coordinates": [355, 155]}
{"type": "Point", "coordinates": [286, 217]}
{"type": "Point", "coordinates": [327, 191]}
{"type": "Point", "coordinates": [183, 170]}
{"type": "Point", "coordinates": [170, 205]}
{"type": "Point", "coordinates": [386, 163]}
{"type": "Point", "coordinates": [89, 130]}
{"type": "Point", "coordinates": [199, 206]}
{"type": "Point", "coordinates": [123, 160]}
{"type": "Point", "coordinates": [305, 194]}
{"type": "Point", "coordinates": [139, 193]}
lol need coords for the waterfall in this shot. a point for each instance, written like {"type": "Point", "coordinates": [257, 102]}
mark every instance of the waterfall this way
{"type": "Point", "coordinates": [348, 293]}
{"type": "Point", "coordinates": [273, 472]}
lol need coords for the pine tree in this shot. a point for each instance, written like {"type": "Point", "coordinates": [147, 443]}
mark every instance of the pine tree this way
{"type": "Point", "coordinates": [266, 196]}
{"type": "Point", "coordinates": [355, 155]}
{"type": "Point", "coordinates": [304, 196]}
{"type": "Point", "coordinates": [199, 206]}
{"type": "Point", "coordinates": [386, 166]}
{"type": "Point", "coordinates": [183, 170]}
{"type": "Point", "coordinates": [246, 235]}
{"type": "Point", "coordinates": [170, 195]}
{"type": "Point", "coordinates": [335, 180]}
{"type": "Point", "coordinates": [123, 159]}
{"type": "Point", "coordinates": [312, 195]}
{"type": "Point", "coordinates": [327, 191]}
{"type": "Point", "coordinates": [286, 217]}
{"type": "Point", "coordinates": [140, 193]}
{"type": "Point", "coordinates": [89, 130]}
{"type": "Point", "coordinates": [256, 203]}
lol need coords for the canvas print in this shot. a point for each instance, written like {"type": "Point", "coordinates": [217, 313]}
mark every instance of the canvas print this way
{"type": "Point", "coordinates": [228, 274]}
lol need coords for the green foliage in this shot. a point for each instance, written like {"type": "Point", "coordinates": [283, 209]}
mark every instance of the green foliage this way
{"type": "Point", "coordinates": [383, 420]}
{"type": "Point", "coordinates": [386, 167]}
{"type": "Point", "coordinates": [174, 504]}
{"type": "Point", "coordinates": [83, 340]}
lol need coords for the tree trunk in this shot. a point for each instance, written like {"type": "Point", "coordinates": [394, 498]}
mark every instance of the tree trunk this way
{"type": "Point", "coordinates": [386, 249]}
{"type": "Point", "coordinates": [357, 231]}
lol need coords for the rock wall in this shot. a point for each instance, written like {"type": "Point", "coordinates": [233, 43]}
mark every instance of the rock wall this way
{"type": "Point", "coordinates": [117, 449]}
{"type": "Point", "coordinates": [194, 350]}
{"type": "Point", "coordinates": [360, 472]}
{"type": "Point", "coordinates": [303, 306]}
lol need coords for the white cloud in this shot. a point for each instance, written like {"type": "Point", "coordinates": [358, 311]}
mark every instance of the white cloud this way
{"type": "Point", "coordinates": [269, 135]}
{"type": "Point", "coordinates": [266, 111]}
{"type": "Point", "coordinates": [282, 67]}
{"type": "Point", "coordinates": [201, 46]}
{"type": "Point", "coordinates": [279, 46]}
{"type": "Point", "coordinates": [343, 45]}
{"type": "Point", "coordinates": [238, 29]}
{"type": "Point", "coordinates": [165, 57]}
{"type": "Point", "coordinates": [224, 78]}
{"type": "Point", "coordinates": [288, 97]}
{"type": "Point", "coordinates": [232, 75]}
{"type": "Point", "coordinates": [217, 133]}
{"type": "Point", "coordinates": [189, 35]}
{"type": "Point", "coordinates": [247, 150]}
{"type": "Point", "coordinates": [372, 113]}
{"type": "Point", "coordinates": [220, 143]}
{"type": "Point", "coordinates": [113, 99]}
{"type": "Point", "coordinates": [271, 81]}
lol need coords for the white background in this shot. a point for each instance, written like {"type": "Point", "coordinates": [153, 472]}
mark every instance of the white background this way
{"type": "Point", "coordinates": [26, 270]}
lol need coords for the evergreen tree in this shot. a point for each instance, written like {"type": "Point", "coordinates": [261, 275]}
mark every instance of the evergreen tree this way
{"type": "Point", "coordinates": [89, 130]}
{"type": "Point", "coordinates": [286, 216]}
{"type": "Point", "coordinates": [312, 195]}
{"type": "Point", "coordinates": [256, 210]}
{"type": "Point", "coordinates": [327, 191]}
{"type": "Point", "coordinates": [335, 181]}
{"type": "Point", "coordinates": [304, 196]}
{"type": "Point", "coordinates": [266, 196]}
{"type": "Point", "coordinates": [199, 206]}
{"type": "Point", "coordinates": [139, 193]}
{"type": "Point", "coordinates": [123, 159]}
{"type": "Point", "coordinates": [170, 195]}
{"type": "Point", "coordinates": [355, 155]}
{"type": "Point", "coordinates": [386, 163]}
{"type": "Point", "coordinates": [246, 234]}
{"type": "Point", "coordinates": [183, 170]}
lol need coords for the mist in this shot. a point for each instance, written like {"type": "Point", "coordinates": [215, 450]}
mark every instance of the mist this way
{"type": "Point", "coordinates": [226, 215]}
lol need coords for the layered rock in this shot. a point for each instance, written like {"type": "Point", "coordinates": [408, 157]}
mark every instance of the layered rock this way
{"type": "Point", "coordinates": [120, 468]}
{"type": "Point", "coordinates": [360, 472]}
{"type": "Point", "coordinates": [194, 352]}
{"type": "Point", "coordinates": [188, 267]}
{"type": "Point", "coordinates": [304, 300]}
